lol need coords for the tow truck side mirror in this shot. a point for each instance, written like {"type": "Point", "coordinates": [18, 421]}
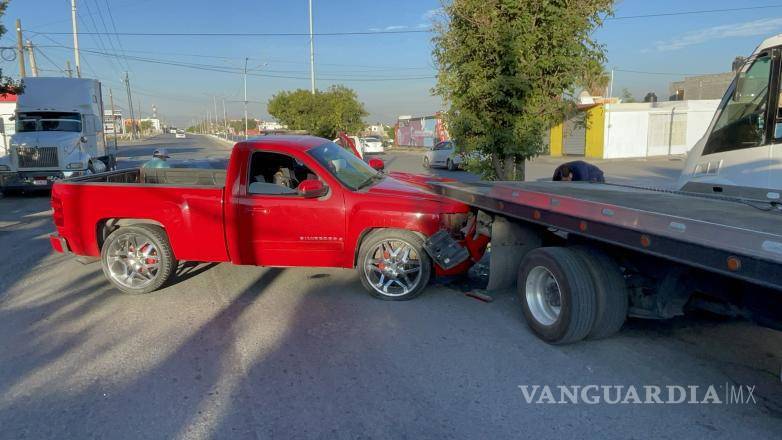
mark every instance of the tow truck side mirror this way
{"type": "Point", "coordinates": [377, 164]}
{"type": "Point", "coordinates": [312, 188]}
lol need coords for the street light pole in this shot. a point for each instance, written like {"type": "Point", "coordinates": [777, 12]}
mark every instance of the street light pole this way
{"type": "Point", "coordinates": [312, 54]}
{"type": "Point", "coordinates": [245, 97]}
{"type": "Point", "coordinates": [75, 38]}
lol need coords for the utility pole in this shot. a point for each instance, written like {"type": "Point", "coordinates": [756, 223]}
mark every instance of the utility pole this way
{"type": "Point", "coordinates": [20, 48]}
{"type": "Point", "coordinates": [31, 54]}
{"type": "Point", "coordinates": [214, 101]}
{"type": "Point", "coordinates": [312, 54]}
{"type": "Point", "coordinates": [208, 121]}
{"type": "Point", "coordinates": [225, 120]}
{"type": "Point", "coordinates": [245, 97]}
{"type": "Point", "coordinates": [113, 117]}
{"type": "Point", "coordinates": [75, 39]}
{"type": "Point", "coordinates": [130, 106]}
{"type": "Point", "coordinates": [68, 69]}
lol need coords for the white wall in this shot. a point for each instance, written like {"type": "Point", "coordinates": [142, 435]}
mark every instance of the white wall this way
{"type": "Point", "coordinates": [627, 126]}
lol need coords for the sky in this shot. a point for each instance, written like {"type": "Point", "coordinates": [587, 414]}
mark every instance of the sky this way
{"type": "Point", "coordinates": [393, 74]}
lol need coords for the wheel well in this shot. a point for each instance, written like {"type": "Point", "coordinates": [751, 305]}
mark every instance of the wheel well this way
{"type": "Point", "coordinates": [106, 226]}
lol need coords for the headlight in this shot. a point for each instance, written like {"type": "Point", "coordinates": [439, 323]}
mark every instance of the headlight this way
{"type": "Point", "coordinates": [5, 168]}
{"type": "Point", "coordinates": [75, 166]}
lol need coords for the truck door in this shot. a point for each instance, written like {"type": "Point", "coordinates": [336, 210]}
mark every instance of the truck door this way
{"type": "Point", "coordinates": [284, 228]}
{"type": "Point", "coordinates": [738, 149]}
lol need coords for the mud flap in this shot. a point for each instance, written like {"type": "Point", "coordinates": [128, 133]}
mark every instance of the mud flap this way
{"type": "Point", "coordinates": [510, 242]}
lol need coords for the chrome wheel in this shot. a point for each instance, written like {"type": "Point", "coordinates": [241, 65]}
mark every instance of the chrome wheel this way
{"type": "Point", "coordinates": [393, 268]}
{"type": "Point", "coordinates": [543, 295]}
{"type": "Point", "coordinates": [133, 261]}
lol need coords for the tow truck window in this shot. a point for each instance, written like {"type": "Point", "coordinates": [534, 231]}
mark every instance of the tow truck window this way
{"type": "Point", "coordinates": [742, 112]}
{"type": "Point", "coordinates": [48, 121]}
{"type": "Point", "coordinates": [346, 167]}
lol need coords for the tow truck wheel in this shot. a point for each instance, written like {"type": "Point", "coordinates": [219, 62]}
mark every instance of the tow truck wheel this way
{"type": "Point", "coordinates": [557, 295]}
{"type": "Point", "coordinates": [610, 289]}
{"type": "Point", "coordinates": [138, 259]}
{"type": "Point", "coordinates": [393, 265]}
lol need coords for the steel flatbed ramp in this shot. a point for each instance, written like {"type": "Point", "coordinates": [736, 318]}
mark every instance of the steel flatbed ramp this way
{"type": "Point", "coordinates": [738, 239]}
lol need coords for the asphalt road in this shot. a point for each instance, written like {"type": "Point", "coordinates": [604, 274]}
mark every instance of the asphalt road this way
{"type": "Point", "coordinates": [246, 352]}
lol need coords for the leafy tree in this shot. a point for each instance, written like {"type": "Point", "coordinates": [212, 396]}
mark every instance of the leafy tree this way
{"type": "Point", "coordinates": [238, 125]}
{"type": "Point", "coordinates": [323, 113]}
{"type": "Point", "coordinates": [627, 96]}
{"type": "Point", "coordinates": [146, 126]}
{"type": "Point", "coordinates": [7, 84]}
{"type": "Point", "coordinates": [391, 132]}
{"type": "Point", "coordinates": [509, 70]}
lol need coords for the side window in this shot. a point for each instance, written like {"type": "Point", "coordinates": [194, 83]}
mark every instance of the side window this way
{"type": "Point", "coordinates": [742, 120]}
{"type": "Point", "coordinates": [440, 146]}
{"type": "Point", "coordinates": [276, 174]}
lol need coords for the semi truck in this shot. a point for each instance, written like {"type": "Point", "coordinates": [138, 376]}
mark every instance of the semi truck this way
{"type": "Point", "coordinates": [582, 257]}
{"type": "Point", "coordinates": [59, 134]}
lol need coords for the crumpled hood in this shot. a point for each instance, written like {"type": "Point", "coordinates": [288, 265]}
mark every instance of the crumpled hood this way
{"type": "Point", "coordinates": [393, 186]}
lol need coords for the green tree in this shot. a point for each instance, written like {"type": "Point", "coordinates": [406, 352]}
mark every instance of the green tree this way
{"type": "Point", "coordinates": [509, 70]}
{"type": "Point", "coordinates": [238, 125]}
{"type": "Point", "coordinates": [7, 84]}
{"type": "Point", "coordinates": [627, 96]}
{"type": "Point", "coordinates": [323, 113]}
{"type": "Point", "coordinates": [391, 132]}
{"type": "Point", "coordinates": [146, 126]}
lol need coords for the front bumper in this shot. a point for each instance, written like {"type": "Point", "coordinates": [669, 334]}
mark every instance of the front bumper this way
{"type": "Point", "coordinates": [33, 179]}
{"type": "Point", "coordinates": [59, 244]}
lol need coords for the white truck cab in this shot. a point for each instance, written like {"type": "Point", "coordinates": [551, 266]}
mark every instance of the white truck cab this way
{"type": "Point", "coordinates": [741, 153]}
{"type": "Point", "coordinates": [59, 134]}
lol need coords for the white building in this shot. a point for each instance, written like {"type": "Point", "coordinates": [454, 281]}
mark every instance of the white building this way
{"type": "Point", "coordinates": [270, 126]}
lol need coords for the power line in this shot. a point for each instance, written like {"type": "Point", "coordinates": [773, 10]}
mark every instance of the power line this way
{"type": "Point", "coordinates": [702, 11]}
{"type": "Point", "coordinates": [114, 27]}
{"type": "Point", "coordinates": [243, 34]}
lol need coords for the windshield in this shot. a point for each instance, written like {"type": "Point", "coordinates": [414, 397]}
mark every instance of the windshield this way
{"type": "Point", "coordinates": [346, 167]}
{"type": "Point", "coordinates": [48, 121]}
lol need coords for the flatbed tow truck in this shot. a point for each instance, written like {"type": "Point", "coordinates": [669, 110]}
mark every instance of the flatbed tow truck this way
{"type": "Point", "coordinates": [584, 256]}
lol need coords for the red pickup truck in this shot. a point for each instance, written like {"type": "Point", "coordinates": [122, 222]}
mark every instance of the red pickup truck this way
{"type": "Point", "coordinates": [283, 201]}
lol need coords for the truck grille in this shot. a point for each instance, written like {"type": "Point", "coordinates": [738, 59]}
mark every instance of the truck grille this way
{"type": "Point", "coordinates": [37, 157]}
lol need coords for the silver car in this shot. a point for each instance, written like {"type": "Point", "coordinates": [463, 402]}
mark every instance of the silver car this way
{"type": "Point", "coordinates": [443, 154]}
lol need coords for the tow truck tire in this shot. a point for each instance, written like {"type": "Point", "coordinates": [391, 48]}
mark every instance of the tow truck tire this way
{"type": "Point", "coordinates": [147, 237]}
{"type": "Point", "coordinates": [557, 295]}
{"type": "Point", "coordinates": [610, 289]}
{"type": "Point", "coordinates": [394, 254]}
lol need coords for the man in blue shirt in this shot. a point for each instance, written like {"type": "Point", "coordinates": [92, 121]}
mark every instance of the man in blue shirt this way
{"type": "Point", "coordinates": [159, 160]}
{"type": "Point", "coordinates": [578, 171]}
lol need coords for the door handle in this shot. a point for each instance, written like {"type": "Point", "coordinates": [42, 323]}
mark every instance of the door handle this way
{"type": "Point", "coordinates": [259, 210]}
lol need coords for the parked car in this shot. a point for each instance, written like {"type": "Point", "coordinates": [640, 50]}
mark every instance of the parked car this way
{"type": "Point", "coordinates": [284, 201]}
{"type": "Point", "coordinates": [443, 154]}
{"type": "Point", "coordinates": [373, 145]}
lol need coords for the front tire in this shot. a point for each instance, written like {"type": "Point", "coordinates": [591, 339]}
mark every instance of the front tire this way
{"type": "Point", "coordinates": [138, 259]}
{"type": "Point", "coordinates": [426, 162]}
{"type": "Point", "coordinates": [393, 264]}
{"type": "Point", "coordinates": [450, 165]}
{"type": "Point", "coordinates": [557, 295]}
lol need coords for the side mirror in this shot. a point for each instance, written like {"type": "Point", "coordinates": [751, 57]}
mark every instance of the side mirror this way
{"type": "Point", "coordinates": [377, 164]}
{"type": "Point", "coordinates": [312, 188]}
{"type": "Point", "coordinates": [83, 139]}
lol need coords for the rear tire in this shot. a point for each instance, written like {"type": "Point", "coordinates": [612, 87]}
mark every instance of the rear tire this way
{"type": "Point", "coordinates": [426, 162]}
{"type": "Point", "coordinates": [612, 295]}
{"type": "Point", "coordinates": [393, 264]}
{"type": "Point", "coordinates": [138, 259]}
{"type": "Point", "coordinates": [449, 164]}
{"type": "Point", "coordinates": [557, 295]}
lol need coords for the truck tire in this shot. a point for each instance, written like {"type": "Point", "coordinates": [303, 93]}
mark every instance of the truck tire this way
{"type": "Point", "coordinates": [557, 295]}
{"type": "Point", "coordinates": [611, 291]}
{"type": "Point", "coordinates": [138, 259]}
{"type": "Point", "coordinates": [393, 264]}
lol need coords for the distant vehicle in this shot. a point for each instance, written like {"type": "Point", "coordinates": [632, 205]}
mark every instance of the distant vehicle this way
{"type": "Point", "coordinates": [173, 131]}
{"type": "Point", "coordinates": [373, 144]}
{"type": "Point", "coordinates": [351, 143]}
{"type": "Point", "coordinates": [180, 134]}
{"type": "Point", "coordinates": [59, 134]}
{"type": "Point", "coordinates": [443, 154]}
